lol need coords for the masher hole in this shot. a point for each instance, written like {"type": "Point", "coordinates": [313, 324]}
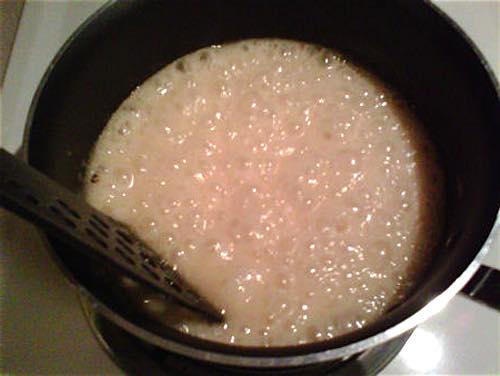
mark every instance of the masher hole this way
{"type": "Point", "coordinates": [124, 255]}
{"type": "Point", "coordinates": [96, 238]}
{"type": "Point", "coordinates": [69, 223]}
{"type": "Point", "coordinates": [96, 227]}
{"type": "Point", "coordinates": [101, 222]}
{"type": "Point", "coordinates": [124, 236]}
{"type": "Point", "coordinates": [68, 209]}
{"type": "Point", "coordinates": [150, 271]}
{"type": "Point", "coordinates": [125, 246]}
{"type": "Point", "coordinates": [172, 284]}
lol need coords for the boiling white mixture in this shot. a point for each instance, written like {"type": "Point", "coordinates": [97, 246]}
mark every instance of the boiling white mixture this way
{"type": "Point", "coordinates": [291, 188]}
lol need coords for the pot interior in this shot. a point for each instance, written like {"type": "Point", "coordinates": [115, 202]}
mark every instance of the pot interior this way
{"type": "Point", "coordinates": [406, 43]}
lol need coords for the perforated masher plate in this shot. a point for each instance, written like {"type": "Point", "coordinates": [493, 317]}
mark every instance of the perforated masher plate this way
{"type": "Point", "coordinates": [47, 204]}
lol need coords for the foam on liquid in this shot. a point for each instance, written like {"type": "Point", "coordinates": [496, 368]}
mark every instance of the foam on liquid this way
{"type": "Point", "coordinates": [288, 186]}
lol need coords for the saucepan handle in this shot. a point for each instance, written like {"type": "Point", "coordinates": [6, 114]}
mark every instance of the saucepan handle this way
{"type": "Point", "coordinates": [484, 287]}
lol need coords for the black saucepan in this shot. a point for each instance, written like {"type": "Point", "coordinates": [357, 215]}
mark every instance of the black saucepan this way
{"type": "Point", "coordinates": [409, 44]}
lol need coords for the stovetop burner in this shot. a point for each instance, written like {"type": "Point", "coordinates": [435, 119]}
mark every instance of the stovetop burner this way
{"type": "Point", "coordinates": [136, 356]}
